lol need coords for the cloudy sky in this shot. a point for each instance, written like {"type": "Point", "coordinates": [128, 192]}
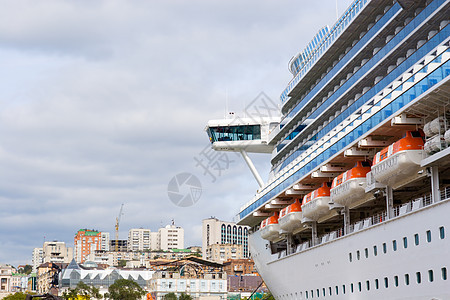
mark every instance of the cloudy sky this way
{"type": "Point", "coordinates": [103, 102]}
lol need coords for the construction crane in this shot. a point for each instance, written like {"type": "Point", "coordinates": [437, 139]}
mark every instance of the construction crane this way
{"type": "Point", "coordinates": [117, 228]}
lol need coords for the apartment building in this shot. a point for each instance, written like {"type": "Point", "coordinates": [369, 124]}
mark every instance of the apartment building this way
{"type": "Point", "coordinates": [215, 231]}
{"type": "Point", "coordinates": [170, 237]}
{"type": "Point", "coordinates": [86, 241]}
{"type": "Point", "coordinates": [223, 252]}
{"type": "Point", "coordinates": [142, 239]}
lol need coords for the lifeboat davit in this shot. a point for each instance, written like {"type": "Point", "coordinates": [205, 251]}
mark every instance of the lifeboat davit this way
{"type": "Point", "coordinates": [270, 229]}
{"type": "Point", "coordinates": [291, 217]}
{"type": "Point", "coordinates": [315, 204]}
{"type": "Point", "coordinates": [399, 161]}
{"type": "Point", "coordinates": [349, 187]}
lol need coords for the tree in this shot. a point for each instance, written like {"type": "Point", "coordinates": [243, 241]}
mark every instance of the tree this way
{"type": "Point", "coordinates": [83, 290]}
{"type": "Point", "coordinates": [25, 270]}
{"type": "Point", "coordinates": [170, 296]}
{"type": "Point", "coordinates": [184, 296]}
{"type": "Point", "coordinates": [16, 296]}
{"type": "Point", "coordinates": [124, 289]}
{"type": "Point", "coordinates": [122, 263]}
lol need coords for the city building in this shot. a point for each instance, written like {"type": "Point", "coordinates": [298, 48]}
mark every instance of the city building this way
{"type": "Point", "coordinates": [37, 258]}
{"type": "Point", "coordinates": [201, 286]}
{"type": "Point", "coordinates": [86, 241]}
{"type": "Point", "coordinates": [222, 252]}
{"type": "Point", "coordinates": [104, 244]}
{"type": "Point", "coordinates": [46, 273]}
{"type": "Point", "coordinates": [122, 245]}
{"type": "Point", "coordinates": [100, 278]}
{"type": "Point", "coordinates": [215, 231]}
{"type": "Point", "coordinates": [170, 237]}
{"type": "Point", "coordinates": [239, 267]}
{"type": "Point", "coordinates": [56, 252]}
{"type": "Point", "coordinates": [139, 239]}
{"type": "Point", "coordinates": [6, 272]}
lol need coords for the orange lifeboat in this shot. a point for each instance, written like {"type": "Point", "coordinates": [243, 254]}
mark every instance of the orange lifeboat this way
{"type": "Point", "coordinates": [399, 161]}
{"type": "Point", "coordinates": [349, 187]}
{"type": "Point", "coordinates": [291, 217]}
{"type": "Point", "coordinates": [315, 204]}
{"type": "Point", "coordinates": [270, 229]}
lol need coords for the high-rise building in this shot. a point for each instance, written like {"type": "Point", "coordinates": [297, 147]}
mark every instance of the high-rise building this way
{"type": "Point", "coordinates": [170, 237]}
{"type": "Point", "coordinates": [139, 239]}
{"type": "Point", "coordinates": [85, 242]}
{"type": "Point", "coordinates": [222, 252]}
{"type": "Point", "coordinates": [56, 252]}
{"type": "Point", "coordinates": [37, 258]}
{"type": "Point", "coordinates": [104, 245]}
{"type": "Point", "coordinates": [215, 231]}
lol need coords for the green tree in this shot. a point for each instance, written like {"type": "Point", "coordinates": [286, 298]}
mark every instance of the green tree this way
{"type": "Point", "coordinates": [124, 289]}
{"type": "Point", "coordinates": [268, 296]}
{"type": "Point", "coordinates": [82, 289]}
{"type": "Point", "coordinates": [16, 296]}
{"type": "Point", "coordinates": [184, 296]}
{"type": "Point", "coordinates": [122, 263]}
{"type": "Point", "coordinates": [170, 296]}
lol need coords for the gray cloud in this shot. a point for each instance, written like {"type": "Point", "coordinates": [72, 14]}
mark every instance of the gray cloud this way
{"type": "Point", "coordinates": [103, 102]}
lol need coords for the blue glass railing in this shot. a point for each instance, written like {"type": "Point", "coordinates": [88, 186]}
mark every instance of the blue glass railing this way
{"type": "Point", "coordinates": [335, 31]}
{"type": "Point", "coordinates": [386, 80]}
{"type": "Point", "coordinates": [361, 44]}
{"type": "Point", "coordinates": [411, 94]}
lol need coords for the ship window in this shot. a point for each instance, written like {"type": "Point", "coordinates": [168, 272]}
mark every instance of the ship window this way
{"type": "Point", "coordinates": [442, 232]}
{"type": "Point", "coordinates": [365, 164]}
{"type": "Point", "coordinates": [375, 251]}
{"type": "Point", "coordinates": [394, 245]}
{"type": "Point", "coordinates": [312, 294]}
{"type": "Point", "coordinates": [366, 252]}
{"type": "Point", "coordinates": [306, 293]}
{"type": "Point", "coordinates": [337, 290]}
{"type": "Point", "coordinates": [384, 248]}
{"type": "Point", "coordinates": [407, 279]}
{"type": "Point", "coordinates": [329, 290]}
{"type": "Point", "coordinates": [343, 288]}
{"type": "Point", "coordinates": [418, 277]}
{"type": "Point", "coordinates": [368, 285]}
{"type": "Point", "coordinates": [318, 293]}
{"type": "Point", "coordinates": [444, 273]}
{"type": "Point", "coordinates": [430, 275]}
{"type": "Point", "coordinates": [323, 292]}
{"type": "Point", "coordinates": [428, 236]}
{"type": "Point", "coordinates": [351, 287]}
{"type": "Point", "coordinates": [359, 286]}
{"type": "Point", "coordinates": [416, 239]}
{"type": "Point", "coordinates": [377, 284]}
{"type": "Point", "coordinates": [358, 256]}
{"type": "Point", "coordinates": [405, 242]}
{"type": "Point", "coordinates": [386, 282]}
{"type": "Point", "coordinates": [396, 280]}
{"type": "Point", "coordinates": [350, 257]}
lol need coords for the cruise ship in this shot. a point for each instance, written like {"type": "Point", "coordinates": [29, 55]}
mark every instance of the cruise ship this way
{"type": "Point", "coordinates": [357, 202]}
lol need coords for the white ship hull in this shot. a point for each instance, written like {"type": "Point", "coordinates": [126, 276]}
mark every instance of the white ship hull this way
{"type": "Point", "coordinates": [327, 266]}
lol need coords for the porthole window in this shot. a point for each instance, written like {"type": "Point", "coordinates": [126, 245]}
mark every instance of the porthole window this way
{"type": "Point", "coordinates": [407, 279]}
{"type": "Point", "coordinates": [306, 294]}
{"type": "Point", "coordinates": [359, 286]}
{"type": "Point", "coordinates": [337, 290]}
{"type": "Point", "coordinates": [386, 282]}
{"type": "Point", "coordinates": [343, 289]}
{"type": "Point", "coordinates": [329, 290]}
{"type": "Point", "coordinates": [444, 273]}
{"type": "Point", "coordinates": [405, 242]}
{"type": "Point", "coordinates": [366, 252]}
{"type": "Point", "coordinates": [377, 284]}
{"type": "Point", "coordinates": [442, 232]}
{"type": "Point", "coordinates": [396, 280]}
{"type": "Point", "coordinates": [375, 251]}
{"type": "Point", "coordinates": [323, 292]}
{"type": "Point", "coordinates": [368, 285]}
{"type": "Point", "coordinates": [430, 276]}
{"type": "Point", "coordinates": [350, 257]}
{"type": "Point", "coordinates": [416, 239]}
{"type": "Point", "coordinates": [358, 256]}
{"type": "Point", "coordinates": [318, 294]}
{"type": "Point", "coordinates": [394, 245]}
{"type": "Point", "coordinates": [384, 248]}
{"type": "Point", "coordinates": [351, 287]}
{"type": "Point", "coordinates": [418, 277]}
{"type": "Point", "coordinates": [428, 236]}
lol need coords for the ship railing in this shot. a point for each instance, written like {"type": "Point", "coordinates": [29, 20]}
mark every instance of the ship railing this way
{"type": "Point", "coordinates": [377, 218]}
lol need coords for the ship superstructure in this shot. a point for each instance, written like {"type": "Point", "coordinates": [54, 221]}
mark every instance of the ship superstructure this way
{"type": "Point", "coordinates": [358, 199]}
